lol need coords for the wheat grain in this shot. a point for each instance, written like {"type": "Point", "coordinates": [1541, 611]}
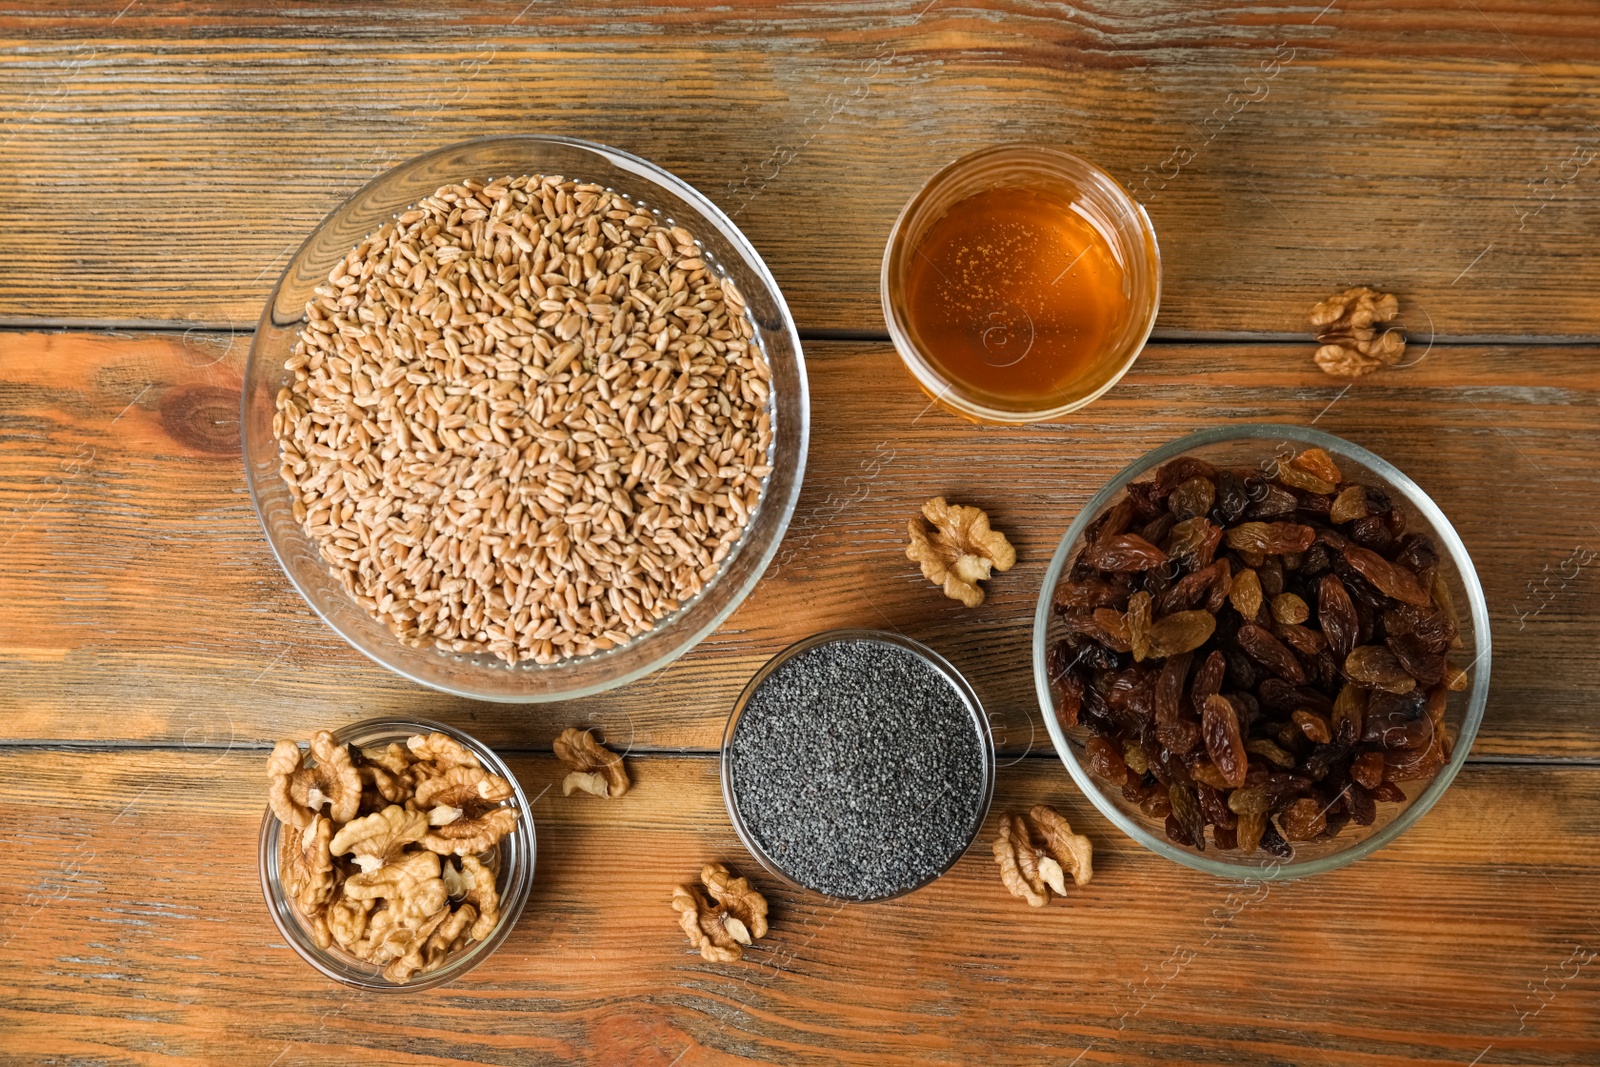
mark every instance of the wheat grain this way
{"type": "Point", "coordinates": [525, 418]}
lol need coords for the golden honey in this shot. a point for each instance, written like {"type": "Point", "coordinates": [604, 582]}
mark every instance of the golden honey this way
{"type": "Point", "coordinates": [1016, 298]}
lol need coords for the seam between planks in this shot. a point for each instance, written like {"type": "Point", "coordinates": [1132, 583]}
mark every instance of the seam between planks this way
{"type": "Point", "coordinates": [112, 328]}
{"type": "Point", "coordinates": [639, 751]}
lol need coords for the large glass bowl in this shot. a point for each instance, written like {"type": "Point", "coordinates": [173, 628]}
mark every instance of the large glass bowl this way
{"type": "Point", "coordinates": [1260, 445]}
{"type": "Point", "coordinates": [482, 676]}
{"type": "Point", "coordinates": [514, 854]}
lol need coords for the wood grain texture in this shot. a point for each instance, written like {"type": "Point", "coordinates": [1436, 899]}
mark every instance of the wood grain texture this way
{"type": "Point", "coordinates": [133, 932]}
{"type": "Point", "coordinates": [160, 162]}
{"type": "Point", "coordinates": [144, 605]}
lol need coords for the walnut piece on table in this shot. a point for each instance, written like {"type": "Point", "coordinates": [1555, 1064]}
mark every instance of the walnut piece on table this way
{"type": "Point", "coordinates": [1036, 852]}
{"type": "Point", "coordinates": [737, 897]}
{"type": "Point", "coordinates": [724, 918]}
{"type": "Point", "coordinates": [960, 551]}
{"type": "Point", "coordinates": [594, 768]}
{"type": "Point", "coordinates": [1357, 333]}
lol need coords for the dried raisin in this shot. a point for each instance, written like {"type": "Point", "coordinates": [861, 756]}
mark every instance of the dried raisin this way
{"type": "Point", "coordinates": [1249, 830]}
{"type": "Point", "coordinates": [1303, 820]}
{"type": "Point", "coordinates": [1208, 680]}
{"type": "Point", "coordinates": [1376, 667]}
{"type": "Point", "coordinates": [1156, 530]}
{"type": "Point", "coordinates": [1304, 641]}
{"type": "Point", "coordinates": [1182, 631]}
{"type": "Point", "coordinates": [1137, 625]}
{"type": "Point", "coordinates": [1367, 769]}
{"type": "Point", "coordinates": [1271, 538]}
{"type": "Point", "coordinates": [1175, 472]}
{"type": "Point", "coordinates": [1271, 502]}
{"type": "Point", "coordinates": [1111, 629]}
{"type": "Point", "coordinates": [1417, 554]}
{"type": "Point", "coordinates": [1193, 497]}
{"type": "Point", "coordinates": [1317, 462]}
{"type": "Point", "coordinates": [1349, 711]}
{"type": "Point", "coordinates": [1389, 793]}
{"type": "Point", "coordinates": [1246, 594]}
{"type": "Point", "coordinates": [1069, 685]}
{"type": "Point", "coordinates": [1337, 615]}
{"type": "Point", "coordinates": [1105, 762]}
{"type": "Point", "coordinates": [1214, 807]}
{"type": "Point", "coordinates": [1387, 578]}
{"type": "Point", "coordinates": [1125, 553]}
{"type": "Point", "coordinates": [1271, 653]}
{"type": "Point", "coordinates": [1193, 542]}
{"type": "Point", "coordinates": [1350, 504]}
{"type": "Point", "coordinates": [1273, 844]}
{"type": "Point", "coordinates": [1225, 746]}
{"type": "Point", "coordinates": [1396, 721]}
{"type": "Point", "coordinates": [1296, 478]}
{"type": "Point", "coordinates": [1270, 751]}
{"type": "Point", "coordinates": [1314, 726]}
{"type": "Point", "coordinates": [1087, 594]}
{"type": "Point", "coordinates": [1156, 804]}
{"type": "Point", "coordinates": [1186, 813]}
{"type": "Point", "coordinates": [1371, 533]}
{"type": "Point", "coordinates": [1416, 659]}
{"type": "Point", "coordinates": [1231, 498]}
{"type": "Point", "coordinates": [1358, 800]}
{"type": "Point", "coordinates": [1290, 609]}
{"type": "Point", "coordinates": [1169, 687]}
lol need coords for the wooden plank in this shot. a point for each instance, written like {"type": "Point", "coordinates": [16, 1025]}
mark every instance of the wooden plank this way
{"type": "Point", "coordinates": [143, 603]}
{"type": "Point", "coordinates": [134, 932]}
{"type": "Point", "coordinates": [161, 162]}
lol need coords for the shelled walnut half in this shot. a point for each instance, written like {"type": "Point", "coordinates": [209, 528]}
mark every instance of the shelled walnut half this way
{"type": "Point", "coordinates": [1357, 332]}
{"type": "Point", "coordinates": [960, 551]}
{"type": "Point", "coordinates": [1037, 851]}
{"type": "Point", "coordinates": [722, 919]}
{"type": "Point", "coordinates": [594, 769]}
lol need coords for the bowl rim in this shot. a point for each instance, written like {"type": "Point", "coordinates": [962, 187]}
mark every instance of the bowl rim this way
{"type": "Point", "coordinates": [1449, 540]}
{"type": "Point", "coordinates": [917, 648]}
{"type": "Point", "coordinates": [731, 232]}
{"type": "Point", "coordinates": [511, 903]}
{"type": "Point", "coordinates": [921, 369]}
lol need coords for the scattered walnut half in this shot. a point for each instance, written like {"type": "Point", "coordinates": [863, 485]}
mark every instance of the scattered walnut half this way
{"type": "Point", "coordinates": [960, 551]}
{"type": "Point", "coordinates": [595, 768]}
{"type": "Point", "coordinates": [385, 886]}
{"type": "Point", "coordinates": [1035, 853]}
{"type": "Point", "coordinates": [737, 897]}
{"type": "Point", "coordinates": [724, 922]}
{"type": "Point", "coordinates": [1356, 332]}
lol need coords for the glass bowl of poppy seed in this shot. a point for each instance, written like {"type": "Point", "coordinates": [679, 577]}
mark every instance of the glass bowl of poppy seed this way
{"type": "Point", "coordinates": [858, 764]}
{"type": "Point", "coordinates": [1262, 651]}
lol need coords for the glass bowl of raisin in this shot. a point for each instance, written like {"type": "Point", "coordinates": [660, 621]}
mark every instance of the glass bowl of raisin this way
{"type": "Point", "coordinates": [1262, 651]}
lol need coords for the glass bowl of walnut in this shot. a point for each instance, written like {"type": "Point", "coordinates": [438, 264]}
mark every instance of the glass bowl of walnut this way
{"type": "Point", "coordinates": [396, 854]}
{"type": "Point", "coordinates": [1262, 651]}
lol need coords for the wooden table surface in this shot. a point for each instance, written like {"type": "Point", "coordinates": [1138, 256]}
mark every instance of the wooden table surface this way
{"type": "Point", "coordinates": [159, 162]}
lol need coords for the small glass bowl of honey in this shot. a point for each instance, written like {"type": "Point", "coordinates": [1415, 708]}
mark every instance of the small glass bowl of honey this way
{"type": "Point", "coordinates": [1020, 283]}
